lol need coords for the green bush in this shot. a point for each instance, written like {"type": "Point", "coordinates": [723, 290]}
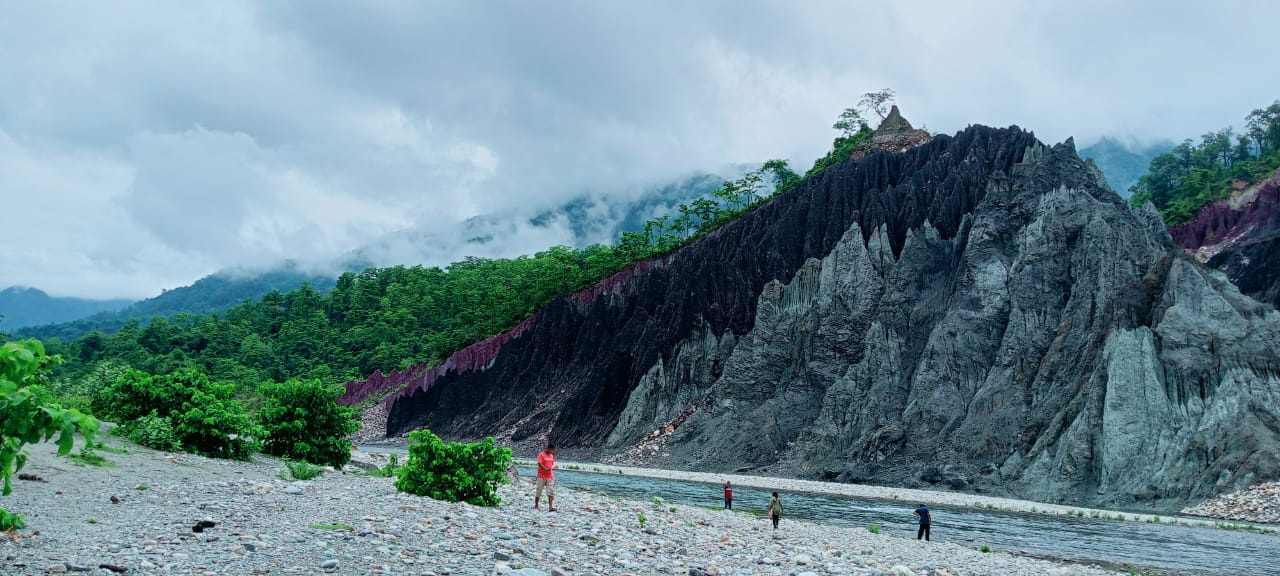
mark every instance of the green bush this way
{"type": "Point", "coordinates": [152, 431]}
{"type": "Point", "coordinates": [300, 471]}
{"type": "Point", "coordinates": [454, 471]}
{"type": "Point", "coordinates": [202, 415]}
{"type": "Point", "coordinates": [26, 419]}
{"type": "Point", "coordinates": [873, 528]}
{"type": "Point", "coordinates": [303, 420]}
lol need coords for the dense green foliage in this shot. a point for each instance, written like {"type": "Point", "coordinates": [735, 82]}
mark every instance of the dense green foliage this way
{"type": "Point", "coordinates": [209, 294]}
{"type": "Point", "coordinates": [1184, 180]}
{"type": "Point", "coordinates": [201, 415]}
{"type": "Point", "coordinates": [26, 419]}
{"type": "Point", "coordinates": [302, 420]}
{"type": "Point", "coordinates": [453, 471]}
{"type": "Point", "coordinates": [853, 130]}
{"type": "Point", "coordinates": [392, 318]}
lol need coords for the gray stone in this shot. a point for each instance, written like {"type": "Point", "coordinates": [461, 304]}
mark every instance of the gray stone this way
{"type": "Point", "coordinates": [527, 572]}
{"type": "Point", "coordinates": [329, 565]}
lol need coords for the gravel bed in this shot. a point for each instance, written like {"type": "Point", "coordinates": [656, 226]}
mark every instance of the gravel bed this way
{"type": "Point", "coordinates": [348, 523]}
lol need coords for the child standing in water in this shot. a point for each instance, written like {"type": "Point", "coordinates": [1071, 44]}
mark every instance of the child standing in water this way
{"type": "Point", "coordinates": [728, 496]}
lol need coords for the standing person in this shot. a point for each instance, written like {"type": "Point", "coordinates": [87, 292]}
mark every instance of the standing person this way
{"type": "Point", "coordinates": [775, 509]}
{"type": "Point", "coordinates": [728, 496]}
{"type": "Point", "coordinates": [546, 478]}
{"type": "Point", "coordinates": [925, 521]}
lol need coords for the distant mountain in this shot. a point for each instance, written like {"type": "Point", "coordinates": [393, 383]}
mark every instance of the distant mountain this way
{"type": "Point", "coordinates": [209, 294]}
{"type": "Point", "coordinates": [586, 219]}
{"type": "Point", "coordinates": [1122, 163]}
{"type": "Point", "coordinates": [21, 307]}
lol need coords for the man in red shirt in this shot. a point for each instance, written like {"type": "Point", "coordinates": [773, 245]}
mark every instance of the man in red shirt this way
{"type": "Point", "coordinates": [546, 478]}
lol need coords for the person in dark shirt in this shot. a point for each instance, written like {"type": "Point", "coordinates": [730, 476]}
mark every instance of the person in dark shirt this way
{"type": "Point", "coordinates": [925, 521]}
{"type": "Point", "coordinates": [728, 496]}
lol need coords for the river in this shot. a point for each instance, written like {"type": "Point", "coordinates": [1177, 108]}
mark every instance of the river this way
{"type": "Point", "coordinates": [1166, 547]}
{"type": "Point", "coordinates": [1181, 549]}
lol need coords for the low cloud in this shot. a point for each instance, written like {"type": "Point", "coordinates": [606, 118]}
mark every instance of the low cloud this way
{"type": "Point", "coordinates": [151, 143]}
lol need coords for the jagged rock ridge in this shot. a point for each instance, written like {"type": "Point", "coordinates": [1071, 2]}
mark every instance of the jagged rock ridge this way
{"type": "Point", "coordinates": [978, 310]}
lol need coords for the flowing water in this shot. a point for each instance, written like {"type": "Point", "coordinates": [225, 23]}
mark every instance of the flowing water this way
{"type": "Point", "coordinates": [1181, 549]}
{"type": "Point", "coordinates": [1165, 547]}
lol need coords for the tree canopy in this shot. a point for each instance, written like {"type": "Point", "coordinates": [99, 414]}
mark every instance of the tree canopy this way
{"type": "Point", "coordinates": [1182, 181]}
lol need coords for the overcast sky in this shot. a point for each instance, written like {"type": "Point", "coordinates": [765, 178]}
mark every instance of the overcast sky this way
{"type": "Point", "coordinates": [144, 145]}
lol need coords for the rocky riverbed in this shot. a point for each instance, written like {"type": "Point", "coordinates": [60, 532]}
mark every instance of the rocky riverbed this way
{"type": "Point", "coordinates": [140, 515]}
{"type": "Point", "coordinates": [1258, 503]}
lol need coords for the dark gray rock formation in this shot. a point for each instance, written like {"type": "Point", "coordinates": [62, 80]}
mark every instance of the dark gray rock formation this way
{"type": "Point", "coordinates": [978, 312]}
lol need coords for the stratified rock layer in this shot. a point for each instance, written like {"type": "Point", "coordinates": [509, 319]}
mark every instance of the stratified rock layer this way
{"type": "Point", "coordinates": [1241, 237]}
{"type": "Point", "coordinates": [977, 311]}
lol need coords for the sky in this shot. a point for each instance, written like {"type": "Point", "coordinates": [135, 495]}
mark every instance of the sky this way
{"type": "Point", "coordinates": [146, 144]}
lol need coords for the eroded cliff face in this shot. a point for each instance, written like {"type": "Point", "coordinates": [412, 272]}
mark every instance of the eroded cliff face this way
{"type": "Point", "coordinates": [978, 310]}
{"type": "Point", "coordinates": [1241, 237]}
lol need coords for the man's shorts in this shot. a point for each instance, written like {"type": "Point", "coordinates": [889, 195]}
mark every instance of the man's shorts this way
{"type": "Point", "coordinates": [548, 483]}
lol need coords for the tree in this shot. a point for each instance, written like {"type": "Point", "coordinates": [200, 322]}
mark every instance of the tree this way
{"type": "Point", "coordinates": [303, 421]}
{"type": "Point", "coordinates": [877, 102]}
{"type": "Point", "coordinates": [26, 419]}
{"type": "Point", "coordinates": [783, 176]}
{"type": "Point", "coordinates": [849, 123]}
{"type": "Point", "coordinates": [453, 471]}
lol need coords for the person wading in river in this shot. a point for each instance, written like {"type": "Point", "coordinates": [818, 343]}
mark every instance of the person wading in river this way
{"type": "Point", "coordinates": [546, 478]}
{"type": "Point", "coordinates": [775, 510]}
{"type": "Point", "coordinates": [728, 496]}
{"type": "Point", "coordinates": [925, 521]}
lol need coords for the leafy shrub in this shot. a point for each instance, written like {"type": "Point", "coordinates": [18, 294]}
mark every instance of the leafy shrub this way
{"type": "Point", "coordinates": [454, 471]}
{"type": "Point", "coordinates": [303, 420]}
{"type": "Point", "coordinates": [25, 418]}
{"type": "Point", "coordinates": [300, 470]}
{"type": "Point", "coordinates": [10, 521]}
{"type": "Point", "coordinates": [873, 528]}
{"type": "Point", "coordinates": [213, 424]}
{"type": "Point", "coordinates": [202, 416]}
{"type": "Point", "coordinates": [152, 431]}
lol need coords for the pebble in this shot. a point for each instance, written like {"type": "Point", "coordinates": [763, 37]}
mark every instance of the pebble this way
{"type": "Point", "coordinates": [1258, 503]}
{"type": "Point", "coordinates": [269, 527]}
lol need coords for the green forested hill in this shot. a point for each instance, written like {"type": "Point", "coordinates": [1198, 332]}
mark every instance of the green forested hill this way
{"type": "Point", "coordinates": [389, 318]}
{"type": "Point", "coordinates": [21, 307]}
{"type": "Point", "coordinates": [395, 317]}
{"type": "Point", "coordinates": [209, 294]}
{"type": "Point", "coordinates": [1184, 180]}
{"type": "Point", "coordinates": [1123, 164]}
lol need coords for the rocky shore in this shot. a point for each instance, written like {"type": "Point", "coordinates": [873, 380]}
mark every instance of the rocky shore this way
{"type": "Point", "coordinates": [141, 513]}
{"type": "Point", "coordinates": [1258, 503]}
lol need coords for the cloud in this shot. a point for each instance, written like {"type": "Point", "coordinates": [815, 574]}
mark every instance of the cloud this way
{"type": "Point", "coordinates": [155, 142]}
